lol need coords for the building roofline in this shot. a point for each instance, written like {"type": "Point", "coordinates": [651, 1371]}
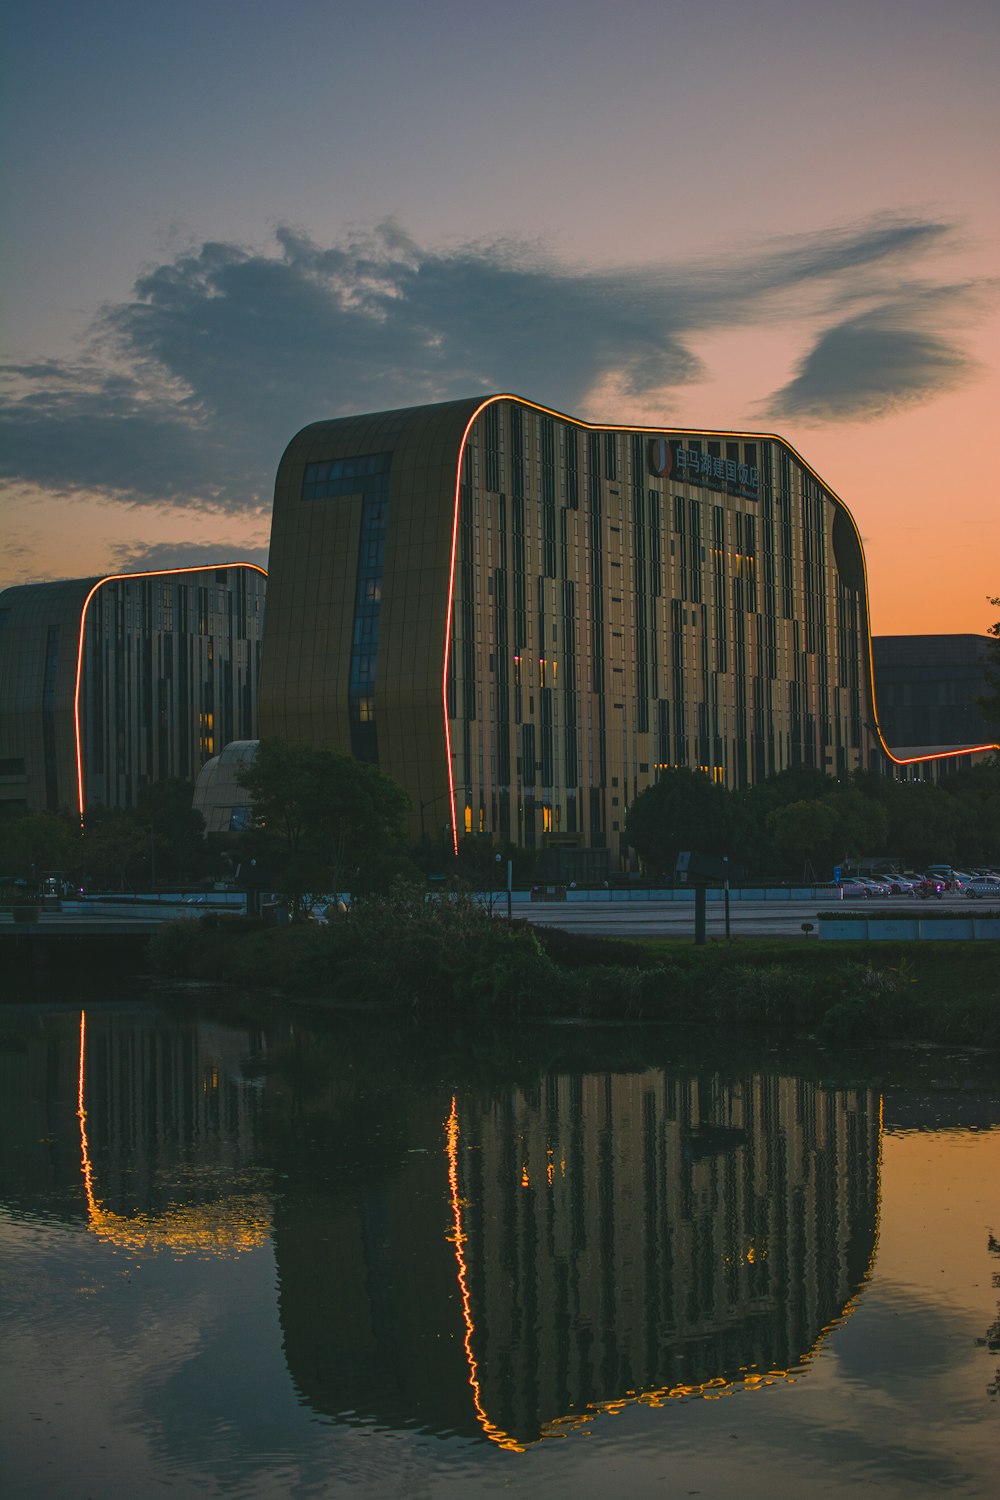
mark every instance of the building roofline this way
{"type": "Point", "coordinates": [96, 586]}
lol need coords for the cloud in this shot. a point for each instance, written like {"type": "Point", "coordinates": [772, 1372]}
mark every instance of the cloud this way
{"type": "Point", "coordinates": [187, 393]}
{"type": "Point", "coordinates": [137, 557]}
{"type": "Point", "coordinates": [882, 359]}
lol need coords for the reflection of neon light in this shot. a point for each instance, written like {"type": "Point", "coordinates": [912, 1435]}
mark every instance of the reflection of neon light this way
{"type": "Point", "coordinates": [88, 1171]}
{"type": "Point", "coordinates": [119, 578]}
{"type": "Point", "coordinates": [238, 1225]}
{"type": "Point", "coordinates": [457, 1238]}
{"type": "Point", "coordinates": [750, 1379]}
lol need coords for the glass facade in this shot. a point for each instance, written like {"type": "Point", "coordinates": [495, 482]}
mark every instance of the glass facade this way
{"type": "Point", "coordinates": [664, 587]}
{"type": "Point", "coordinates": [368, 477]}
{"type": "Point", "coordinates": [168, 665]}
{"type": "Point", "coordinates": [540, 615]}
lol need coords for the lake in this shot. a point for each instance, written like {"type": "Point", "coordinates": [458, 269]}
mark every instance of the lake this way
{"type": "Point", "coordinates": [294, 1255]}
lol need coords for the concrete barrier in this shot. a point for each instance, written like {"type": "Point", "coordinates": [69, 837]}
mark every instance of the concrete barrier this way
{"type": "Point", "coordinates": [836, 929]}
{"type": "Point", "coordinates": [680, 894]}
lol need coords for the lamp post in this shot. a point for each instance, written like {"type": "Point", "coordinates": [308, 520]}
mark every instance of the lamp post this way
{"type": "Point", "coordinates": [429, 802]}
{"type": "Point", "coordinates": [497, 859]}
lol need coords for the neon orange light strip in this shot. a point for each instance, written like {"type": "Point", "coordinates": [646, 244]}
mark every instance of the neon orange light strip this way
{"type": "Point", "coordinates": [118, 578]}
{"type": "Point", "coordinates": [451, 609]}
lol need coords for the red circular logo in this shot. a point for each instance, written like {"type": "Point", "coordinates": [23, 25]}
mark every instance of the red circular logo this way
{"type": "Point", "coordinates": [661, 459]}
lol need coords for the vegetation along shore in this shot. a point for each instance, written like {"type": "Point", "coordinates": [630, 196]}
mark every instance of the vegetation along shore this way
{"type": "Point", "coordinates": [450, 959]}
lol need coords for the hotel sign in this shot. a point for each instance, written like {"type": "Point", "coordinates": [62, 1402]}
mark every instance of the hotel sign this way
{"type": "Point", "coordinates": [688, 465]}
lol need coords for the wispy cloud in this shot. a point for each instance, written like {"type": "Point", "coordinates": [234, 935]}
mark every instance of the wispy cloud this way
{"type": "Point", "coordinates": [188, 392]}
{"type": "Point", "coordinates": [137, 557]}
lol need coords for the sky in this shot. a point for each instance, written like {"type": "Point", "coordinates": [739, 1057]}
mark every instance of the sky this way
{"type": "Point", "coordinates": [227, 219]}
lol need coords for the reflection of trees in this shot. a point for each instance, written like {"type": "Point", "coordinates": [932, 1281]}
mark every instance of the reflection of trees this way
{"type": "Point", "coordinates": [335, 1109]}
{"type": "Point", "coordinates": [505, 1261]}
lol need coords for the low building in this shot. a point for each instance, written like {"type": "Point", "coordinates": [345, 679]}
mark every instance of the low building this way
{"type": "Point", "coordinates": [223, 803]}
{"type": "Point", "coordinates": [928, 689]}
{"type": "Point", "coordinates": [109, 683]}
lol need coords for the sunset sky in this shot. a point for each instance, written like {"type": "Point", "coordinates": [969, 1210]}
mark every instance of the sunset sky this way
{"type": "Point", "coordinates": [231, 218]}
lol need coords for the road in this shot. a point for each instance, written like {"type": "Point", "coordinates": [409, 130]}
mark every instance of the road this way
{"type": "Point", "coordinates": [653, 919]}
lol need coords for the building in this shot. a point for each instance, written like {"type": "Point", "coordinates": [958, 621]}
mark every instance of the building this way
{"type": "Point", "coordinates": [107, 684]}
{"type": "Point", "coordinates": [928, 689]}
{"type": "Point", "coordinates": [224, 804]}
{"type": "Point", "coordinates": [523, 618]}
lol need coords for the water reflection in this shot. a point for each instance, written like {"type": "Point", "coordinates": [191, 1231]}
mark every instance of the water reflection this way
{"type": "Point", "coordinates": [165, 1143]}
{"type": "Point", "coordinates": [501, 1251]}
{"type": "Point", "coordinates": [203, 1202]}
{"type": "Point", "coordinates": [609, 1237]}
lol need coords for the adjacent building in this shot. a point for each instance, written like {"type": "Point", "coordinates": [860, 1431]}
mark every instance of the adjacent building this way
{"type": "Point", "coordinates": [109, 683]}
{"type": "Point", "coordinates": [523, 618]}
{"type": "Point", "coordinates": [928, 689]}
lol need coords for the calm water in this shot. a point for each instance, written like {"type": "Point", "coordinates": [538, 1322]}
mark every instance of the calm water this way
{"type": "Point", "coordinates": [264, 1259]}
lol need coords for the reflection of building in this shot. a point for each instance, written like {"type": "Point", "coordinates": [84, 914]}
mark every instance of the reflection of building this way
{"type": "Point", "coordinates": [110, 683]}
{"type": "Point", "coordinates": [928, 686]}
{"type": "Point", "coordinates": [714, 1227]}
{"type": "Point", "coordinates": [522, 618]}
{"type": "Point", "coordinates": [609, 1236]}
{"type": "Point", "coordinates": [151, 1122]}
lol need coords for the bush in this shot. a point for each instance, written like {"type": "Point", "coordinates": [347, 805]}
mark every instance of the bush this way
{"type": "Point", "coordinates": [579, 949]}
{"type": "Point", "coordinates": [449, 959]}
{"type": "Point", "coordinates": [437, 956]}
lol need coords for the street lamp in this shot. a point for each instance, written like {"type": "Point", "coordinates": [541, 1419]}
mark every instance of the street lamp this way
{"type": "Point", "coordinates": [430, 801]}
{"type": "Point", "coordinates": [497, 858]}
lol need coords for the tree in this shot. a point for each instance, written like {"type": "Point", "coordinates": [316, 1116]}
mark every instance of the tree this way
{"type": "Point", "coordinates": [923, 823]}
{"type": "Point", "coordinates": [115, 850]}
{"type": "Point", "coordinates": [682, 810]}
{"type": "Point", "coordinates": [754, 841]}
{"type": "Point", "coordinates": [31, 844]}
{"type": "Point", "coordinates": [805, 830]}
{"type": "Point", "coordinates": [329, 822]}
{"type": "Point", "coordinates": [860, 824]}
{"type": "Point", "coordinates": [176, 830]}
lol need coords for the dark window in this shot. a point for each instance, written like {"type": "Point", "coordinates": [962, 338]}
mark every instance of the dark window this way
{"type": "Point", "coordinates": [343, 476]}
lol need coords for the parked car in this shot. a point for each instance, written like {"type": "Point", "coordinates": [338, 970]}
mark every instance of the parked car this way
{"type": "Point", "coordinates": [895, 885]}
{"type": "Point", "coordinates": [853, 888]}
{"type": "Point", "coordinates": [977, 889]}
